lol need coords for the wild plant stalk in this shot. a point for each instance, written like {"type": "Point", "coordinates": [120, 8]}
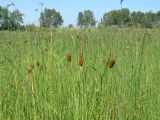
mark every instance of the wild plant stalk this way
{"type": "Point", "coordinates": [59, 88]}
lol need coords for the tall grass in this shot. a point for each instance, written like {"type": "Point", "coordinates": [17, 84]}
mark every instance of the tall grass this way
{"type": "Point", "coordinates": [58, 89]}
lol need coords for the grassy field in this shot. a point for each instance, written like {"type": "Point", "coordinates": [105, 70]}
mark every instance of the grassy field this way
{"type": "Point", "coordinates": [38, 83]}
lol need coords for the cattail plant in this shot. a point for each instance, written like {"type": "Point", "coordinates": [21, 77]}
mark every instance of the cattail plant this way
{"type": "Point", "coordinates": [81, 60]}
{"type": "Point", "coordinates": [69, 57]}
{"type": "Point", "coordinates": [111, 63]}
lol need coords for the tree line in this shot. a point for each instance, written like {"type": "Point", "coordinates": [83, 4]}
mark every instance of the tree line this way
{"type": "Point", "coordinates": [50, 18]}
{"type": "Point", "coordinates": [125, 18]}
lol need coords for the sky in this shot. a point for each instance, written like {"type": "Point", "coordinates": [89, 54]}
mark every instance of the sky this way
{"type": "Point", "coordinates": [69, 9]}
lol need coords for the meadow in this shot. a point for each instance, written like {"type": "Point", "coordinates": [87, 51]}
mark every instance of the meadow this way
{"type": "Point", "coordinates": [38, 82]}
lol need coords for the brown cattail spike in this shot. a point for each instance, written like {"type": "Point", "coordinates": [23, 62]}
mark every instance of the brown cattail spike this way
{"type": "Point", "coordinates": [111, 63]}
{"type": "Point", "coordinates": [69, 58]}
{"type": "Point", "coordinates": [80, 62]}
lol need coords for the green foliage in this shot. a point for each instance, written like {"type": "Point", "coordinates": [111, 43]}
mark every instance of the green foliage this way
{"type": "Point", "coordinates": [86, 19]}
{"type": "Point", "coordinates": [0, 12]}
{"type": "Point", "coordinates": [10, 20]}
{"type": "Point", "coordinates": [116, 17]}
{"type": "Point", "coordinates": [50, 18]}
{"type": "Point", "coordinates": [80, 19]}
{"type": "Point", "coordinates": [16, 19]}
{"type": "Point", "coordinates": [123, 17]}
{"type": "Point", "coordinates": [70, 26]}
{"type": "Point", "coordinates": [110, 18]}
{"type": "Point", "coordinates": [28, 27]}
{"type": "Point", "coordinates": [58, 90]}
{"type": "Point", "coordinates": [157, 21]}
{"type": "Point", "coordinates": [150, 19]}
{"type": "Point", "coordinates": [138, 18]}
{"type": "Point", "coordinates": [145, 20]}
{"type": "Point", "coordinates": [4, 17]}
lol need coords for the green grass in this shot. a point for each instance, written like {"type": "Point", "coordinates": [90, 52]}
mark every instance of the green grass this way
{"type": "Point", "coordinates": [57, 89]}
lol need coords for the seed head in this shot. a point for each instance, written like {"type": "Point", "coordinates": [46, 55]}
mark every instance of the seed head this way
{"type": "Point", "coordinates": [81, 60]}
{"type": "Point", "coordinates": [69, 57]}
{"type": "Point", "coordinates": [111, 63]}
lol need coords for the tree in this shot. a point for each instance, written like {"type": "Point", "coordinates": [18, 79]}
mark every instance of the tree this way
{"type": "Point", "coordinates": [16, 18]}
{"type": "Point", "coordinates": [110, 18]}
{"type": "Point", "coordinates": [158, 17]}
{"type": "Point", "coordinates": [0, 12]}
{"type": "Point", "coordinates": [70, 26]}
{"type": "Point", "coordinates": [1, 17]}
{"type": "Point", "coordinates": [10, 20]}
{"type": "Point", "coordinates": [116, 17]}
{"type": "Point", "coordinates": [50, 18]}
{"type": "Point", "coordinates": [137, 18]}
{"type": "Point", "coordinates": [4, 18]}
{"type": "Point", "coordinates": [86, 19]}
{"type": "Point", "coordinates": [80, 19]}
{"type": "Point", "coordinates": [141, 19]}
{"type": "Point", "coordinates": [123, 17]}
{"type": "Point", "coordinates": [150, 19]}
{"type": "Point", "coordinates": [158, 14]}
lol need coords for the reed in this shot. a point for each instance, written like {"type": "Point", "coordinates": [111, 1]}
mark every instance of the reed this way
{"type": "Point", "coordinates": [40, 80]}
{"type": "Point", "coordinates": [69, 57]}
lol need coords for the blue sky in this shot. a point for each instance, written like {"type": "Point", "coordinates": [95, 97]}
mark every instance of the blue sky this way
{"type": "Point", "coordinates": [69, 8]}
